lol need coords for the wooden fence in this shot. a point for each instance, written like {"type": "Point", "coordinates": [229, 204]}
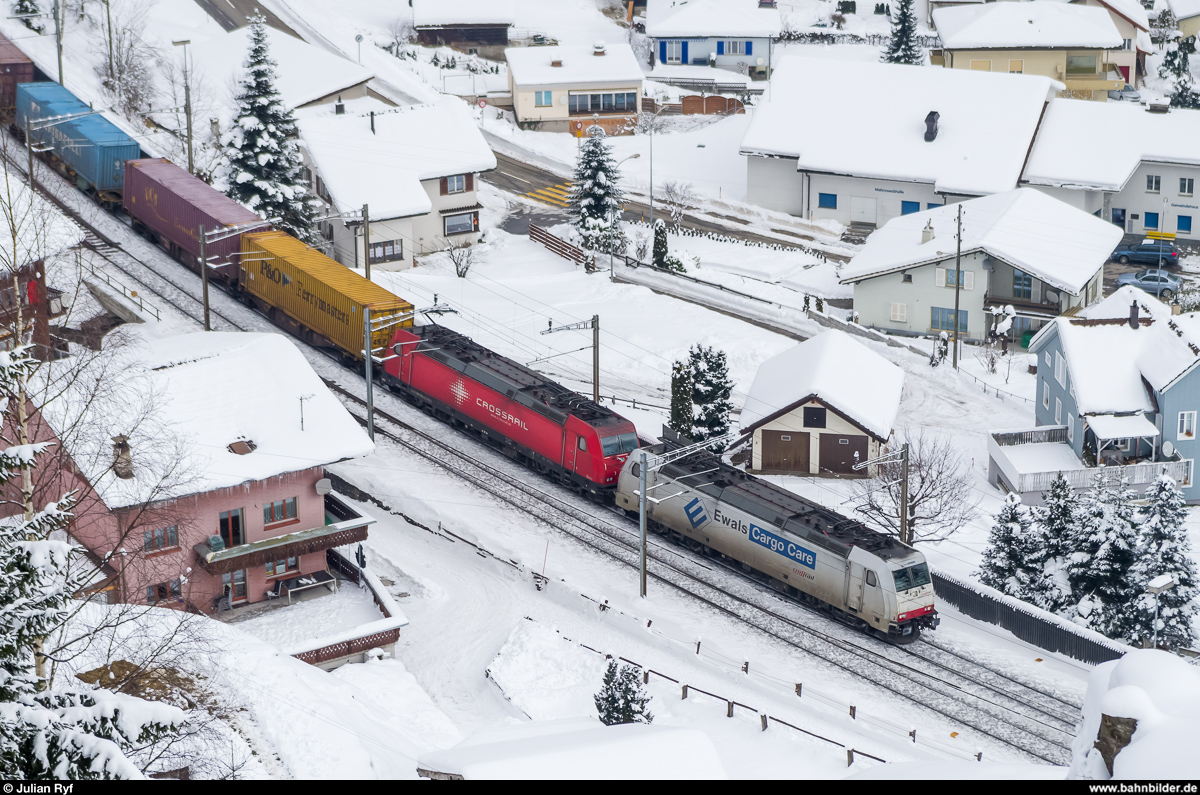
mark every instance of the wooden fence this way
{"type": "Point", "coordinates": [694, 105]}
{"type": "Point", "coordinates": [556, 244]}
{"type": "Point", "coordinates": [349, 647]}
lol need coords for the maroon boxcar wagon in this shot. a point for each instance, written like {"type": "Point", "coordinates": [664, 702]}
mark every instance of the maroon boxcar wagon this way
{"type": "Point", "coordinates": [531, 418]}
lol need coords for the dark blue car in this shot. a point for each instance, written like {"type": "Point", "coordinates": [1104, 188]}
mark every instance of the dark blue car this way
{"type": "Point", "coordinates": [1148, 252]}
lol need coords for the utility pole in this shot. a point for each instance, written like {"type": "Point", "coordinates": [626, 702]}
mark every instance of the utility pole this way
{"type": "Point", "coordinates": [643, 465]}
{"type": "Point", "coordinates": [58, 37]}
{"type": "Point", "coordinates": [204, 274]}
{"type": "Point", "coordinates": [367, 240]}
{"type": "Point", "coordinates": [594, 325]}
{"type": "Point", "coordinates": [904, 530]}
{"type": "Point", "coordinates": [112, 72]}
{"type": "Point", "coordinates": [368, 353]}
{"type": "Point", "coordinates": [957, 281]}
{"type": "Point", "coordinates": [29, 146]}
{"type": "Point", "coordinates": [187, 101]}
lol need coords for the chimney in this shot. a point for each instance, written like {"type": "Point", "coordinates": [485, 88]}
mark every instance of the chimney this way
{"type": "Point", "coordinates": [556, 64]}
{"type": "Point", "coordinates": [598, 48]}
{"type": "Point", "coordinates": [339, 108]}
{"type": "Point", "coordinates": [1133, 315]}
{"type": "Point", "coordinates": [122, 458]}
{"type": "Point", "coordinates": [927, 232]}
{"type": "Point", "coordinates": [372, 122]}
{"type": "Point", "coordinates": [931, 121]}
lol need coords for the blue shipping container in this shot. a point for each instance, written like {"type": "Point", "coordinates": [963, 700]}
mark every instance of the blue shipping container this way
{"type": "Point", "coordinates": [92, 145]}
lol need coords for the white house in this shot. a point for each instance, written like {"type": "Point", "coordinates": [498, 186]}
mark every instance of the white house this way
{"type": "Point", "coordinates": [555, 88]}
{"type": "Point", "coordinates": [416, 168]}
{"type": "Point", "coordinates": [821, 407]}
{"type": "Point", "coordinates": [728, 34]}
{"type": "Point", "coordinates": [862, 143]}
{"type": "Point", "coordinates": [1141, 173]}
{"type": "Point", "coordinates": [1020, 248]}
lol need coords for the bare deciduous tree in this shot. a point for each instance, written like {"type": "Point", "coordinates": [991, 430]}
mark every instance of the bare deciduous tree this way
{"type": "Point", "coordinates": [126, 70]}
{"type": "Point", "coordinates": [464, 256]}
{"type": "Point", "coordinates": [678, 197]}
{"type": "Point", "coordinates": [940, 498]}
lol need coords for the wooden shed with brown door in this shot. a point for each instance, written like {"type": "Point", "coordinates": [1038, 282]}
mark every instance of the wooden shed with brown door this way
{"type": "Point", "coordinates": [821, 407]}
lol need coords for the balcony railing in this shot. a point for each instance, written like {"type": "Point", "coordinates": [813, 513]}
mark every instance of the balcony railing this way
{"type": "Point", "coordinates": [343, 526]}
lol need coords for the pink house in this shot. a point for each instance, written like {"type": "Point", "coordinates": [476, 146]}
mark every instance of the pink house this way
{"type": "Point", "coordinates": [216, 495]}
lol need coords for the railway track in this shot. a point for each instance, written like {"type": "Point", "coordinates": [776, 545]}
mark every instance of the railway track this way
{"type": "Point", "coordinates": [1033, 721]}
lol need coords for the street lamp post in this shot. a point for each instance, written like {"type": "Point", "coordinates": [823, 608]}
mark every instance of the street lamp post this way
{"type": "Point", "coordinates": [187, 101]}
{"type": "Point", "coordinates": [614, 218]}
{"type": "Point", "coordinates": [1156, 586]}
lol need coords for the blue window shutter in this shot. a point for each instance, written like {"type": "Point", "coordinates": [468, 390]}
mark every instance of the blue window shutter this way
{"type": "Point", "coordinates": [720, 48]}
{"type": "Point", "coordinates": [749, 48]}
{"type": "Point", "coordinates": [662, 52]}
{"type": "Point", "coordinates": [684, 54]}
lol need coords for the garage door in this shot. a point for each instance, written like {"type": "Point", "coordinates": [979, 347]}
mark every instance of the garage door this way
{"type": "Point", "coordinates": [838, 453]}
{"type": "Point", "coordinates": [787, 451]}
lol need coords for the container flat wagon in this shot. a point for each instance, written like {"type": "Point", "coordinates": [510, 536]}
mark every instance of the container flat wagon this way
{"type": "Point", "coordinates": [862, 577]}
{"type": "Point", "coordinates": [316, 298]}
{"type": "Point", "coordinates": [15, 67]}
{"type": "Point", "coordinates": [90, 150]}
{"type": "Point", "coordinates": [530, 418]}
{"type": "Point", "coordinates": [171, 205]}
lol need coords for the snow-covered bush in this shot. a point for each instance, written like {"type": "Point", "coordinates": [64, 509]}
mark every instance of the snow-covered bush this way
{"type": "Point", "coordinates": [621, 698]}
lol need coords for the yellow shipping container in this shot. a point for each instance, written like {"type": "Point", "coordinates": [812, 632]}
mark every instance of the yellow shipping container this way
{"type": "Point", "coordinates": [318, 292]}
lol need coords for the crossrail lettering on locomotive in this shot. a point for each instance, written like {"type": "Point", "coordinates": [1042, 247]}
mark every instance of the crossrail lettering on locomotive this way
{"type": "Point", "coordinates": [501, 414]}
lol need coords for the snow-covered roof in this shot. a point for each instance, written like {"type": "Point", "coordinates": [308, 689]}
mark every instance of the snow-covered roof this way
{"type": "Point", "coordinates": [305, 74]}
{"type": "Point", "coordinates": [194, 405]}
{"type": "Point", "coordinates": [667, 19]}
{"type": "Point", "coordinates": [1183, 9]}
{"type": "Point", "coordinates": [871, 122]}
{"type": "Point", "coordinates": [1039, 25]}
{"type": "Point", "coordinates": [433, 13]}
{"type": "Point", "coordinates": [579, 749]}
{"type": "Point", "coordinates": [1131, 10]}
{"type": "Point", "coordinates": [842, 373]}
{"type": "Point", "coordinates": [384, 168]}
{"type": "Point", "coordinates": [1122, 426]}
{"type": "Point", "coordinates": [1116, 305]}
{"type": "Point", "coordinates": [1059, 244]}
{"type": "Point", "coordinates": [1069, 154]}
{"type": "Point", "coordinates": [531, 66]}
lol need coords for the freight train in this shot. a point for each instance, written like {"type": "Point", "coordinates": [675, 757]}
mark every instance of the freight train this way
{"type": "Point", "coordinates": [863, 578]}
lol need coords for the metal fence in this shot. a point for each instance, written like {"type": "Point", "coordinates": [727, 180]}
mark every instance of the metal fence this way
{"type": "Point", "coordinates": [1043, 631]}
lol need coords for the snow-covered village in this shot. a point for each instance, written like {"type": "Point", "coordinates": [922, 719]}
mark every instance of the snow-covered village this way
{"type": "Point", "coordinates": [600, 389]}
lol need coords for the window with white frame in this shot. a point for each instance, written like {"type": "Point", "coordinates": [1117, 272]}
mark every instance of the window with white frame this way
{"type": "Point", "coordinates": [734, 47]}
{"type": "Point", "coordinates": [543, 99]}
{"type": "Point", "coordinates": [899, 312]}
{"type": "Point", "coordinates": [1187, 476]}
{"type": "Point", "coordinates": [1060, 369]}
{"type": "Point", "coordinates": [1153, 183]}
{"type": "Point", "coordinates": [674, 51]}
{"type": "Point", "coordinates": [1186, 186]}
{"type": "Point", "coordinates": [1046, 394]}
{"type": "Point", "coordinates": [1070, 427]}
{"type": "Point", "coordinates": [1187, 425]}
{"type": "Point", "coordinates": [1057, 411]}
{"type": "Point", "coordinates": [456, 183]}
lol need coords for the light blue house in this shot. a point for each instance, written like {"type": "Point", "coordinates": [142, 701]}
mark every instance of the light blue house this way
{"type": "Point", "coordinates": [1118, 389]}
{"type": "Point", "coordinates": [729, 34]}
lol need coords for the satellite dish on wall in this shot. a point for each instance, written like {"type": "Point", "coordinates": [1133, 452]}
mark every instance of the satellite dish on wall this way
{"type": "Point", "coordinates": [324, 486]}
{"type": "Point", "coordinates": [1168, 449]}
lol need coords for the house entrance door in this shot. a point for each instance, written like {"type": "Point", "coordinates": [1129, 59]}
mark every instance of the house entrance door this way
{"type": "Point", "coordinates": [862, 211]}
{"type": "Point", "coordinates": [1118, 216]}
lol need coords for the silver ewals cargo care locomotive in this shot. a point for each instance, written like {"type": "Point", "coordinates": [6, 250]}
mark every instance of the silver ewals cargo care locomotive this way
{"type": "Point", "coordinates": [862, 577]}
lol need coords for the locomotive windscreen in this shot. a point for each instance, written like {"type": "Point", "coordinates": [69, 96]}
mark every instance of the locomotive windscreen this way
{"type": "Point", "coordinates": [622, 443]}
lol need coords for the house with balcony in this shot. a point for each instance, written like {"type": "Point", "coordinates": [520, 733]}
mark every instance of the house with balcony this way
{"type": "Point", "coordinates": [1141, 175]}
{"type": "Point", "coordinates": [1077, 45]}
{"type": "Point", "coordinates": [1118, 390]}
{"type": "Point", "coordinates": [215, 494]}
{"type": "Point", "coordinates": [416, 169]}
{"type": "Point", "coordinates": [889, 140]}
{"type": "Point", "coordinates": [1133, 24]}
{"type": "Point", "coordinates": [477, 27]}
{"type": "Point", "coordinates": [568, 88]}
{"type": "Point", "coordinates": [1020, 249]}
{"type": "Point", "coordinates": [735, 35]}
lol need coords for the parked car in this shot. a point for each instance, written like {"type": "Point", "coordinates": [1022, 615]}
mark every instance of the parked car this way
{"type": "Point", "coordinates": [1148, 252]}
{"type": "Point", "coordinates": [1154, 281]}
{"type": "Point", "coordinates": [1128, 94]}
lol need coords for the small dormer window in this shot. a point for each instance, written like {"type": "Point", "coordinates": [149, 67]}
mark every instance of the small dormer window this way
{"type": "Point", "coordinates": [242, 447]}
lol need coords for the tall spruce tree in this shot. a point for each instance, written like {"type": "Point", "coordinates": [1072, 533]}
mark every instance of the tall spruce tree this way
{"type": "Point", "coordinates": [22, 8]}
{"type": "Point", "coordinates": [902, 46]}
{"type": "Point", "coordinates": [1056, 526]}
{"type": "Point", "coordinates": [265, 171]}
{"type": "Point", "coordinates": [59, 732]}
{"type": "Point", "coordinates": [1100, 560]}
{"type": "Point", "coordinates": [681, 399]}
{"type": "Point", "coordinates": [1176, 67]}
{"type": "Point", "coordinates": [1008, 562]}
{"type": "Point", "coordinates": [660, 253]}
{"type": "Point", "coordinates": [621, 698]}
{"type": "Point", "coordinates": [1164, 549]}
{"type": "Point", "coordinates": [711, 391]}
{"type": "Point", "coordinates": [595, 198]}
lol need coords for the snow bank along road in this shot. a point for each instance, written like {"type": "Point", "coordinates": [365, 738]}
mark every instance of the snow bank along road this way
{"type": "Point", "coordinates": [1016, 713]}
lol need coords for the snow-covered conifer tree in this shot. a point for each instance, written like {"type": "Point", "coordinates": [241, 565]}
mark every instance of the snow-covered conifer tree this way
{"type": "Point", "coordinates": [1176, 67]}
{"type": "Point", "coordinates": [711, 391]}
{"type": "Point", "coordinates": [621, 698]}
{"type": "Point", "coordinates": [595, 198]}
{"type": "Point", "coordinates": [1056, 525]}
{"type": "Point", "coordinates": [1164, 549]}
{"type": "Point", "coordinates": [58, 732]}
{"type": "Point", "coordinates": [1100, 558]}
{"type": "Point", "coordinates": [1007, 559]}
{"type": "Point", "coordinates": [902, 47]}
{"type": "Point", "coordinates": [681, 398]}
{"type": "Point", "coordinates": [660, 251]}
{"type": "Point", "coordinates": [264, 172]}
{"type": "Point", "coordinates": [23, 7]}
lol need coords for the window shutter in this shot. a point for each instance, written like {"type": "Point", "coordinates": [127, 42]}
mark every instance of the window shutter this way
{"type": "Point", "coordinates": [683, 51]}
{"type": "Point", "coordinates": [662, 52]}
{"type": "Point", "coordinates": [900, 312]}
{"type": "Point", "coordinates": [968, 280]}
{"type": "Point", "coordinates": [749, 48]}
{"type": "Point", "coordinates": [720, 48]}
{"type": "Point", "coordinates": [470, 182]}
{"type": "Point", "coordinates": [939, 277]}
{"type": "Point", "coordinates": [445, 187]}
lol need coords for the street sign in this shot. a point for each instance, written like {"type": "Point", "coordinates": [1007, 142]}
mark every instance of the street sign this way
{"type": "Point", "coordinates": [482, 103]}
